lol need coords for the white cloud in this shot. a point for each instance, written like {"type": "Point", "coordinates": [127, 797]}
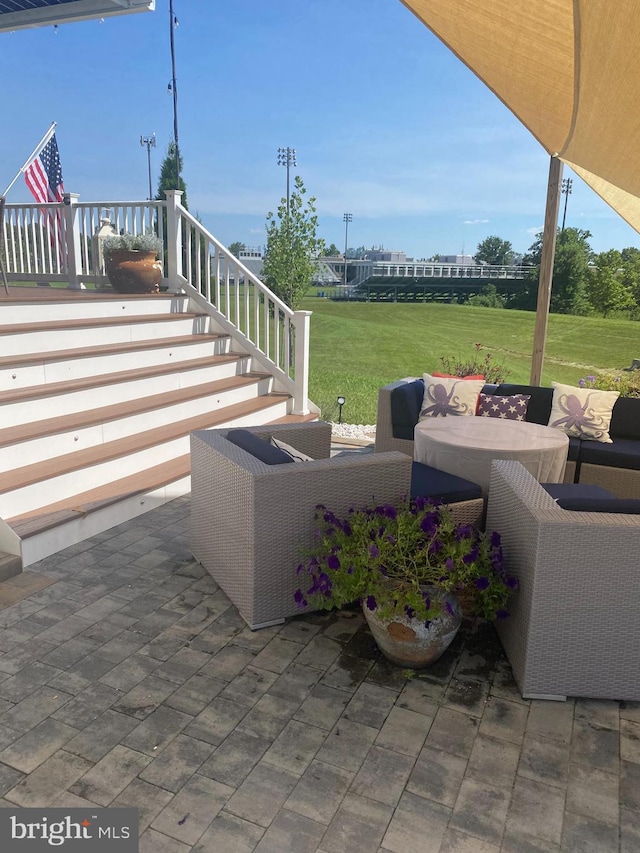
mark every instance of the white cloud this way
{"type": "Point", "coordinates": [475, 221]}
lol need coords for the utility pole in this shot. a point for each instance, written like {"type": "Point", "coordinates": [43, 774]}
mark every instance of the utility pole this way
{"type": "Point", "coordinates": [173, 87]}
{"type": "Point", "coordinates": [150, 142]}
{"type": "Point", "coordinates": [347, 218]}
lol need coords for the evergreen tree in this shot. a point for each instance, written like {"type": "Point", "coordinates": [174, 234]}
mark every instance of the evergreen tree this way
{"type": "Point", "coordinates": [168, 179]}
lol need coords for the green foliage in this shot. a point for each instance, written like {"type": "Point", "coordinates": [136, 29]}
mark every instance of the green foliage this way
{"type": "Point", "coordinates": [494, 250]}
{"type": "Point", "coordinates": [606, 289]}
{"type": "Point", "coordinates": [132, 243]}
{"type": "Point", "coordinates": [236, 247]}
{"type": "Point", "coordinates": [627, 383]}
{"type": "Point", "coordinates": [489, 298]}
{"type": "Point", "coordinates": [292, 246]}
{"type": "Point", "coordinates": [477, 365]}
{"type": "Point", "coordinates": [570, 272]}
{"type": "Point", "coordinates": [169, 179]}
{"type": "Point", "coordinates": [332, 251]}
{"type": "Point", "coordinates": [392, 559]}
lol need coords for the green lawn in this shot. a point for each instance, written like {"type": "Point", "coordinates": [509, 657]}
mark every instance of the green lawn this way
{"type": "Point", "coordinates": [356, 347]}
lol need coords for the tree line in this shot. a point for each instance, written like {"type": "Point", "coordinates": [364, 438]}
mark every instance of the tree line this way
{"type": "Point", "coordinates": [584, 282]}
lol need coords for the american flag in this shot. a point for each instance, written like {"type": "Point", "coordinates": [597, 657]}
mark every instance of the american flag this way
{"type": "Point", "coordinates": [43, 174]}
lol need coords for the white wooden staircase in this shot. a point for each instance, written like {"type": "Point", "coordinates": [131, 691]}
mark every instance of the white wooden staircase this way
{"type": "Point", "coordinates": [98, 395]}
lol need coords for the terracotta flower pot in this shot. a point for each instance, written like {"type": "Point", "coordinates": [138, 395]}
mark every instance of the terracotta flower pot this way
{"type": "Point", "coordinates": [412, 642]}
{"type": "Point", "coordinates": [132, 271]}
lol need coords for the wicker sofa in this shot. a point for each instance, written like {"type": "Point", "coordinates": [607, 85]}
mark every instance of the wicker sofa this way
{"type": "Point", "coordinates": [614, 466]}
{"type": "Point", "coordinates": [250, 520]}
{"type": "Point", "coordinates": [573, 629]}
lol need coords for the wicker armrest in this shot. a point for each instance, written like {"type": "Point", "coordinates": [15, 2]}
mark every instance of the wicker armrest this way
{"type": "Point", "coordinates": [384, 427]}
{"type": "Point", "coordinates": [573, 629]}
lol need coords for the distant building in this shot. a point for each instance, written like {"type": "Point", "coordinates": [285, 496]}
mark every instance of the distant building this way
{"type": "Point", "coordinates": [460, 260]}
{"type": "Point", "coordinates": [389, 257]}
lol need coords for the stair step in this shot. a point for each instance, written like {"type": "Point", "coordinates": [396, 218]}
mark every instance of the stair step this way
{"type": "Point", "coordinates": [80, 420]}
{"type": "Point", "coordinates": [93, 322]}
{"type": "Point", "coordinates": [105, 349]}
{"type": "Point", "coordinates": [29, 475]}
{"type": "Point", "coordinates": [46, 518]}
{"type": "Point", "coordinates": [53, 389]}
{"type": "Point", "coordinates": [10, 566]}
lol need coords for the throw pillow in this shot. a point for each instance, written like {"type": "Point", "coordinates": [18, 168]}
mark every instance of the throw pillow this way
{"type": "Point", "coordinates": [453, 376]}
{"type": "Point", "coordinates": [510, 408]}
{"type": "Point", "coordinates": [296, 455]}
{"type": "Point", "coordinates": [443, 396]}
{"type": "Point", "coordinates": [582, 412]}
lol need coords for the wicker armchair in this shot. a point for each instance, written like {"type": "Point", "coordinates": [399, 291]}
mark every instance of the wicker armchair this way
{"type": "Point", "coordinates": [574, 628]}
{"type": "Point", "coordinates": [249, 520]}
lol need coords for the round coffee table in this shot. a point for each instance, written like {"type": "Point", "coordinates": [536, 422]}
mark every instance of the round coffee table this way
{"type": "Point", "coordinates": [466, 446]}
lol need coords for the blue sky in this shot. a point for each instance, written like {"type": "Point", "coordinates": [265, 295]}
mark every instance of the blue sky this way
{"type": "Point", "coordinates": [387, 123]}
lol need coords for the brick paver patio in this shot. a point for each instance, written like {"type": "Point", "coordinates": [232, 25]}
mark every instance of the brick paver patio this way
{"type": "Point", "coordinates": [128, 679]}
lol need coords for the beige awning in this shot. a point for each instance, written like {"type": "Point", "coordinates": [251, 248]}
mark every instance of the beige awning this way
{"type": "Point", "coordinates": [568, 69]}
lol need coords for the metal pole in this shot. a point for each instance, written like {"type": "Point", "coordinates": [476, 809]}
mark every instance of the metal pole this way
{"type": "Point", "coordinates": [566, 191]}
{"type": "Point", "coordinates": [150, 142]}
{"type": "Point", "coordinates": [347, 218]}
{"type": "Point", "coordinates": [173, 22]}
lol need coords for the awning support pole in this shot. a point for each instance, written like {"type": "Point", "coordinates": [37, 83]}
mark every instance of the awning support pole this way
{"type": "Point", "coordinates": [546, 268]}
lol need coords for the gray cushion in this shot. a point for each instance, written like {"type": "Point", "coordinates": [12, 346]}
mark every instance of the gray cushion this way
{"type": "Point", "coordinates": [258, 447]}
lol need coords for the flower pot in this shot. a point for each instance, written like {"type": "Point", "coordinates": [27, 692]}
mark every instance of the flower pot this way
{"type": "Point", "coordinates": [132, 271]}
{"type": "Point", "coordinates": [412, 642]}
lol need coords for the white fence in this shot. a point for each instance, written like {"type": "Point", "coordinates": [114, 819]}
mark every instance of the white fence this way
{"type": "Point", "coordinates": [54, 243]}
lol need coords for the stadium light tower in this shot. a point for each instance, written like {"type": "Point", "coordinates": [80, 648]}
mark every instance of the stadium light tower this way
{"type": "Point", "coordinates": [347, 218]}
{"type": "Point", "coordinates": [567, 183]}
{"type": "Point", "coordinates": [287, 157]}
{"type": "Point", "coordinates": [150, 142]}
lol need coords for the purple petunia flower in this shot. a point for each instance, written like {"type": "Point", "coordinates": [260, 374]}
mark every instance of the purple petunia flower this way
{"type": "Point", "coordinates": [482, 583]}
{"type": "Point", "coordinates": [427, 600]}
{"type": "Point", "coordinates": [495, 539]}
{"type": "Point", "coordinates": [449, 608]}
{"type": "Point", "coordinates": [371, 602]}
{"type": "Point", "coordinates": [373, 550]}
{"type": "Point", "coordinates": [591, 378]}
{"type": "Point", "coordinates": [581, 383]}
{"type": "Point", "coordinates": [471, 557]}
{"type": "Point", "coordinates": [502, 614]}
{"type": "Point", "coordinates": [462, 531]}
{"type": "Point", "coordinates": [409, 611]}
{"type": "Point", "coordinates": [346, 528]}
{"type": "Point", "coordinates": [299, 598]}
{"type": "Point", "coordinates": [435, 547]}
{"type": "Point", "coordinates": [512, 582]}
{"type": "Point", "coordinates": [449, 564]}
{"type": "Point", "coordinates": [333, 562]}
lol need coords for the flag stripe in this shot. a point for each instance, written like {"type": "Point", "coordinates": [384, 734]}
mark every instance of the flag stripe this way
{"type": "Point", "coordinates": [43, 176]}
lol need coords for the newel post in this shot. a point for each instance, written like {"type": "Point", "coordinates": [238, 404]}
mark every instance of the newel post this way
{"type": "Point", "coordinates": [302, 324]}
{"type": "Point", "coordinates": [72, 240]}
{"type": "Point", "coordinates": [174, 240]}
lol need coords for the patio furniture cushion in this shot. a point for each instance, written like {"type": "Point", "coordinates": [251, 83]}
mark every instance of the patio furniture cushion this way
{"type": "Point", "coordinates": [623, 453]}
{"type": "Point", "coordinates": [583, 412]}
{"type": "Point", "coordinates": [628, 506]}
{"type": "Point", "coordinates": [454, 397]}
{"type": "Point", "coordinates": [574, 448]}
{"type": "Point", "coordinates": [258, 447]}
{"type": "Point", "coordinates": [624, 420]}
{"type": "Point", "coordinates": [563, 491]}
{"type": "Point", "coordinates": [296, 455]}
{"type": "Point", "coordinates": [430, 482]}
{"type": "Point", "coordinates": [511, 407]}
{"type": "Point", "coordinates": [406, 401]}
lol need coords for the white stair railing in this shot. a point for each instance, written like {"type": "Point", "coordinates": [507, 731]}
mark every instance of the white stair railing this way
{"type": "Point", "coordinates": [58, 243]}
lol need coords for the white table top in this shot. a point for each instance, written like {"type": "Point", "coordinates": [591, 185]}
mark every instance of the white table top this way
{"type": "Point", "coordinates": [466, 446]}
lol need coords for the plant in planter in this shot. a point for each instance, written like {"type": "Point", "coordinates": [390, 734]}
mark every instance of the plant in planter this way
{"type": "Point", "coordinates": [131, 262]}
{"type": "Point", "coordinates": [406, 565]}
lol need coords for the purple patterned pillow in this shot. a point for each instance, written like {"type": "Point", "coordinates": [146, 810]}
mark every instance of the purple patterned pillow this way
{"type": "Point", "coordinates": [513, 408]}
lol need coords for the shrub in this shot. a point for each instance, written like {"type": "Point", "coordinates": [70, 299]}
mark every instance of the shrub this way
{"type": "Point", "coordinates": [492, 371]}
{"type": "Point", "coordinates": [132, 243]}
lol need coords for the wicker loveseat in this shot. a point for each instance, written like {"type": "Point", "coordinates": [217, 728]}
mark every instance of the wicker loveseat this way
{"type": "Point", "coordinates": [614, 466]}
{"type": "Point", "coordinates": [573, 629]}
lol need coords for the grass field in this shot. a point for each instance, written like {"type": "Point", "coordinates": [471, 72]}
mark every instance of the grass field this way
{"type": "Point", "coordinates": [356, 347]}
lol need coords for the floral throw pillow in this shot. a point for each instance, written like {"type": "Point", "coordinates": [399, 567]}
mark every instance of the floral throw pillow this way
{"type": "Point", "coordinates": [443, 396]}
{"type": "Point", "coordinates": [583, 412]}
{"type": "Point", "coordinates": [509, 408]}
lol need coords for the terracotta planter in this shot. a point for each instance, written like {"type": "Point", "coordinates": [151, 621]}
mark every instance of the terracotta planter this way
{"type": "Point", "coordinates": [411, 643]}
{"type": "Point", "coordinates": [134, 271]}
